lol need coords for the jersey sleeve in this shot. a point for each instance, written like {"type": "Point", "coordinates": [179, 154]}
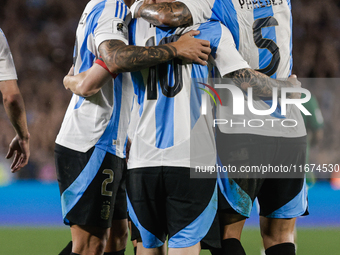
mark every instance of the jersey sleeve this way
{"type": "Point", "coordinates": [227, 57]}
{"type": "Point", "coordinates": [200, 9]}
{"type": "Point", "coordinates": [7, 68]}
{"type": "Point", "coordinates": [113, 23]}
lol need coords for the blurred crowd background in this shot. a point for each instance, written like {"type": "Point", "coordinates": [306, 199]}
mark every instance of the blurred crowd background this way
{"type": "Point", "coordinates": [41, 35]}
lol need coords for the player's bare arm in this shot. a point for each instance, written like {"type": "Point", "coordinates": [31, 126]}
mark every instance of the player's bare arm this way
{"type": "Point", "coordinates": [87, 83]}
{"type": "Point", "coordinates": [15, 109]}
{"type": "Point", "coordinates": [174, 14]}
{"type": "Point", "coordinates": [262, 84]}
{"type": "Point", "coordinates": [119, 57]}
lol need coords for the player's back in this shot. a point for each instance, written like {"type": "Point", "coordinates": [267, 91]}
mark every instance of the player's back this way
{"type": "Point", "coordinates": [107, 111]}
{"type": "Point", "coordinates": [263, 35]}
{"type": "Point", "coordinates": [262, 32]}
{"type": "Point", "coordinates": [170, 100]}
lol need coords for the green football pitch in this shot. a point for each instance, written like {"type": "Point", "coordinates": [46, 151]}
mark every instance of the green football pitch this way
{"type": "Point", "coordinates": [49, 241]}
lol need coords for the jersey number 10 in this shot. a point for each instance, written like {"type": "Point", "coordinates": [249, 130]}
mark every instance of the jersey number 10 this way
{"type": "Point", "coordinates": [160, 72]}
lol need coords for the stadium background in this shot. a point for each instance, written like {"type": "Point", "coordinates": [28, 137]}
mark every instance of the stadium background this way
{"type": "Point", "coordinates": [41, 35]}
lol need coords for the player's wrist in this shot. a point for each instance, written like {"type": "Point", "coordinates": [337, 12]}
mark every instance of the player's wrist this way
{"type": "Point", "coordinates": [23, 136]}
{"type": "Point", "coordinates": [176, 49]}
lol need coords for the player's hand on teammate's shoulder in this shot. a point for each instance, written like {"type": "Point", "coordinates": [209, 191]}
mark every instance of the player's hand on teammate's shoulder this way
{"type": "Point", "coordinates": [19, 147]}
{"type": "Point", "coordinates": [295, 84]}
{"type": "Point", "coordinates": [191, 49]}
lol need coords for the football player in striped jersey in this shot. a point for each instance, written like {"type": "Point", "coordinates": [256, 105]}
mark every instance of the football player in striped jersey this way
{"type": "Point", "coordinates": [90, 146]}
{"type": "Point", "coordinates": [176, 156]}
{"type": "Point", "coordinates": [262, 31]}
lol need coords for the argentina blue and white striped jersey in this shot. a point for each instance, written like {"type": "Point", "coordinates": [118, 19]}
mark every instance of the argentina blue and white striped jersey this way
{"type": "Point", "coordinates": [7, 68]}
{"type": "Point", "coordinates": [262, 31]}
{"type": "Point", "coordinates": [170, 123]}
{"type": "Point", "coordinates": [101, 119]}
